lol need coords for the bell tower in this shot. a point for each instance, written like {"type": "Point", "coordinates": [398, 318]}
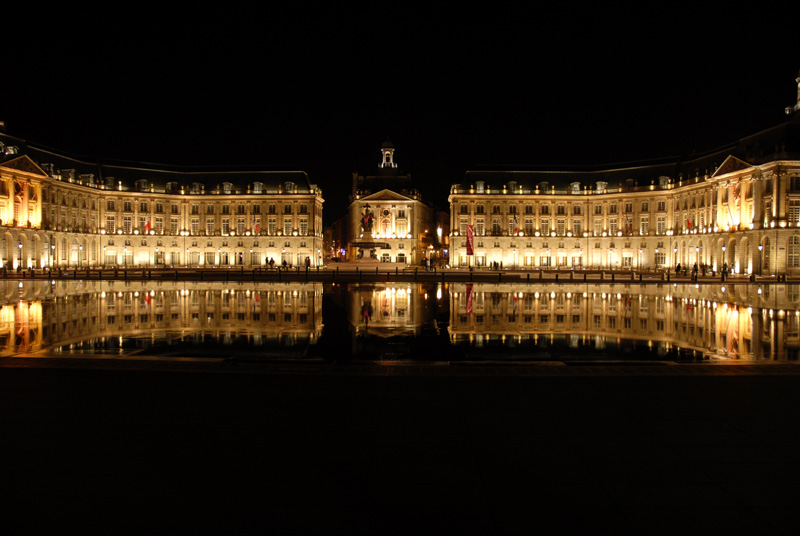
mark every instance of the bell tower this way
{"type": "Point", "coordinates": [387, 155]}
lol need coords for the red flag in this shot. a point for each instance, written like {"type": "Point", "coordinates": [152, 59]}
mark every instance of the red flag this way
{"type": "Point", "coordinates": [469, 298]}
{"type": "Point", "coordinates": [258, 228]}
{"type": "Point", "coordinates": [470, 250]}
{"type": "Point", "coordinates": [147, 226]}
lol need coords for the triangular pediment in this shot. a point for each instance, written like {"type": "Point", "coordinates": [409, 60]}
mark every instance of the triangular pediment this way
{"type": "Point", "coordinates": [24, 164]}
{"type": "Point", "coordinates": [731, 165]}
{"type": "Point", "coordinates": [385, 195]}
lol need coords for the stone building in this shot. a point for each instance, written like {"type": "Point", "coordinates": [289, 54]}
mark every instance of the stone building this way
{"type": "Point", "coordinates": [387, 219]}
{"type": "Point", "coordinates": [61, 211]}
{"type": "Point", "coordinates": [738, 206]}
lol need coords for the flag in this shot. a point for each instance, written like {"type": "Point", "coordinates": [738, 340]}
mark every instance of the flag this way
{"type": "Point", "coordinates": [688, 223]}
{"type": "Point", "coordinates": [516, 228]}
{"type": "Point", "coordinates": [469, 298]}
{"type": "Point", "coordinates": [258, 228]}
{"type": "Point", "coordinates": [470, 250]}
{"type": "Point", "coordinates": [147, 226]}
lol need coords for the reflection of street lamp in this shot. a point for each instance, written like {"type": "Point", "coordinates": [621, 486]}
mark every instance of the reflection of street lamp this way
{"type": "Point", "coordinates": [19, 258]}
{"type": "Point", "coordinates": [675, 262]}
{"type": "Point", "coordinates": [125, 256]}
{"type": "Point", "coordinates": [639, 262]}
{"type": "Point", "coordinates": [723, 255]}
{"type": "Point", "coordinates": [80, 254]}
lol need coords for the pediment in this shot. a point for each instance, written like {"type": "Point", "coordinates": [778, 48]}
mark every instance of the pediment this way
{"type": "Point", "coordinates": [24, 164]}
{"type": "Point", "coordinates": [385, 195]}
{"type": "Point", "coordinates": [731, 165]}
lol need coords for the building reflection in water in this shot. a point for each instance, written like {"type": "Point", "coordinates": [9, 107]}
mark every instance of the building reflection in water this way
{"type": "Point", "coordinates": [401, 320]}
{"type": "Point", "coordinates": [179, 319]}
{"type": "Point", "coordinates": [606, 320]}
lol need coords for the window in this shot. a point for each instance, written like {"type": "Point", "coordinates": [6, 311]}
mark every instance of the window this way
{"type": "Point", "coordinates": [794, 211]}
{"type": "Point", "coordinates": [287, 209]}
{"type": "Point", "coordinates": [576, 210]}
{"type": "Point", "coordinates": [110, 224]}
{"type": "Point", "coordinates": [287, 226]}
{"type": "Point", "coordinates": [645, 206]}
{"type": "Point", "coordinates": [226, 209]}
{"type": "Point", "coordinates": [561, 209]}
{"type": "Point", "coordinates": [110, 204]}
{"type": "Point", "coordinates": [793, 252]}
{"type": "Point", "coordinates": [528, 209]}
{"type": "Point", "coordinates": [661, 224]}
{"type": "Point", "coordinates": [612, 208]}
{"type": "Point", "coordinates": [628, 207]}
{"type": "Point", "coordinates": [544, 209]}
{"type": "Point", "coordinates": [127, 206]}
{"type": "Point", "coordinates": [598, 209]}
{"type": "Point", "coordinates": [662, 206]}
{"type": "Point", "coordinates": [644, 225]}
{"type": "Point", "coordinates": [496, 209]}
{"type": "Point", "coordinates": [464, 209]}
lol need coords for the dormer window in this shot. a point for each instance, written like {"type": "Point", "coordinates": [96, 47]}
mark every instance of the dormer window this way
{"type": "Point", "coordinates": [258, 187]}
{"type": "Point", "coordinates": [227, 188]}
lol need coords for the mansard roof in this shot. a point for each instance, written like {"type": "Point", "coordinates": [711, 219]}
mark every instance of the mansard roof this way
{"type": "Point", "coordinates": [781, 142]}
{"type": "Point", "coordinates": [55, 163]}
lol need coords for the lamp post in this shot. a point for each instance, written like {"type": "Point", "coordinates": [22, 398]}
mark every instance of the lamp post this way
{"type": "Point", "coordinates": [19, 257]}
{"type": "Point", "coordinates": [52, 253]}
{"type": "Point", "coordinates": [125, 257]}
{"type": "Point", "coordinates": [80, 254]}
{"type": "Point", "coordinates": [760, 259]}
{"type": "Point", "coordinates": [675, 260]}
{"type": "Point", "coordinates": [639, 262]}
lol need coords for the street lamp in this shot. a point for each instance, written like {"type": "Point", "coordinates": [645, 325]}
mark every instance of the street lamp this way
{"type": "Point", "coordinates": [19, 258]}
{"type": "Point", "coordinates": [760, 259]}
{"type": "Point", "coordinates": [80, 254]}
{"type": "Point", "coordinates": [639, 263]}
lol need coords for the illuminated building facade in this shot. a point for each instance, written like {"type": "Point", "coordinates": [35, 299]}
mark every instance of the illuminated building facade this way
{"type": "Point", "coordinates": [387, 220]}
{"type": "Point", "coordinates": [60, 211]}
{"type": "Point", "coordinates": [737, 206]}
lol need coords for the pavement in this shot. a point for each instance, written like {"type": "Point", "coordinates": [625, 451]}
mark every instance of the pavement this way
{"type": "Point", "coordinates": [210, 447]}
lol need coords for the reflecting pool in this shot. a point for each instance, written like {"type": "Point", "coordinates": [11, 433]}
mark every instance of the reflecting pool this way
{"type": "Point", "coordinates": [452, 322]}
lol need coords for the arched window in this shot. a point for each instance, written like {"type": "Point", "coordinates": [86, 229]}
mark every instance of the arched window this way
{"type": "Point", "coordinates": [793, 252]}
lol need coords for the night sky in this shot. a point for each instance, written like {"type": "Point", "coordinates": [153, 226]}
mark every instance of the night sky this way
{"type": "Point", "coordinates": [319, 87]}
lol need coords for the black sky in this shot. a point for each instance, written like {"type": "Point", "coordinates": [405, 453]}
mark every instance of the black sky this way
{"type": "Point", "coordinates": [318, 87]}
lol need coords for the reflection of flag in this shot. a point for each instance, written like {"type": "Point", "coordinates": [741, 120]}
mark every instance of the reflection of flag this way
{"type": "Point", "coordinates": [515, 224]}
{"type": "Point", "coordinates": [469, 298]}
{"type": "Point", "coordinates": [627, 225]}
{"type": "Point", "coordinates": [258, 228]}
{"type": "Point", "coordinates": [689, 223]}
{"type": "Point", "coordinates": [147, 226]}
{"type": "Point", "coordinates": [470, 250]}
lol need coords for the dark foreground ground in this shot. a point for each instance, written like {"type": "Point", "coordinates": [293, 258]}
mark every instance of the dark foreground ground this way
{"type": "Point", "coordinates": [184, 448]}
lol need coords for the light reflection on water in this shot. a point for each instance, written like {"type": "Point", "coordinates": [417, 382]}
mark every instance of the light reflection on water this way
{"type": "Point", "coordinates": [401, 321]}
